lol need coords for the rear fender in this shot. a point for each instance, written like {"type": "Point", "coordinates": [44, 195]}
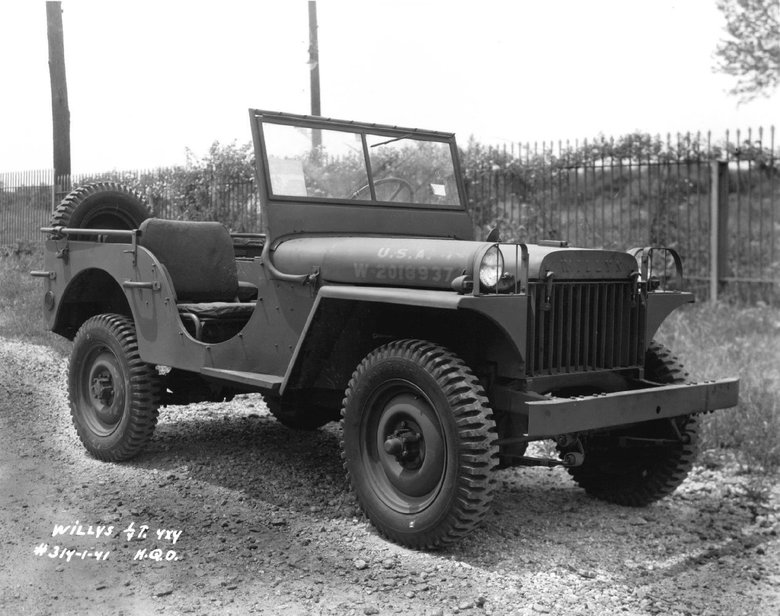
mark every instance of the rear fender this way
{"type": "Point", "coordinates": [89, 293]}
{"type": "Point", "coordinates": [127, 280]}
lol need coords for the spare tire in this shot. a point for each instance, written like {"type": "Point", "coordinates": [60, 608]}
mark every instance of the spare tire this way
{"type": "Point", "coordinates": [102, 205]}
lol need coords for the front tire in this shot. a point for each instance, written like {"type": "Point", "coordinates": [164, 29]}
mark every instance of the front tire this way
{"type": "Point", "coordinates": [419, 443]}
{"type": "Point", "coordinates": [114, 396]}
{"type": "Point", "coordinates": [635, 473]}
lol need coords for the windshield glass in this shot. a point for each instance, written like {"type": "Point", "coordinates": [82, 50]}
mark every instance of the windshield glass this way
{"type": "Point", "coordinates": [331, 164]}
{"type": "Point", "coordinates": [406, 165]}
{"type": "Point", "coordinates": [334, 170]}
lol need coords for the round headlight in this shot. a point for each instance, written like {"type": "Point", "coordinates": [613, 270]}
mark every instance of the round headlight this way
{"type": "Point", "coordinates": [492, 267]}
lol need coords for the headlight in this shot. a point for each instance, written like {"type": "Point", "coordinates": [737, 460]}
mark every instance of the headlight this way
{"type": "Point", "coordinates": [492, 267]}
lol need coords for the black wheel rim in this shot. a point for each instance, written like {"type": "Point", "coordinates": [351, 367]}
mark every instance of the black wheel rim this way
{"type": "Point", "coordinates": [101, 395]}
{"type": "Point", "coordinates": [109, 218]}
{"type": "Point", "coordinates": [403, 448]}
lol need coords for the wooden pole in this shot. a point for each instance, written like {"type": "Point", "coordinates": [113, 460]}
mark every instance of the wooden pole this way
{"type": "Point", "coordinates": [314, 72]}
{"type": "Point", "coordinates": [59, 98]}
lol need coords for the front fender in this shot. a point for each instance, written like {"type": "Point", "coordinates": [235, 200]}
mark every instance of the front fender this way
{"type": "Point", "coordinates": [481, 329]}
{"type": "Point", "coordinates": [660, 304]}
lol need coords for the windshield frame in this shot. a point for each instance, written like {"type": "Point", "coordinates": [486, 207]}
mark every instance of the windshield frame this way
{"type": "Point", "coordinates": [261, 118]}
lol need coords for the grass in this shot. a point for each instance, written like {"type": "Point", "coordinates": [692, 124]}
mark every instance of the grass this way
{"type": "Point", "coordinates": [21, 298]}
{"type": "Point", "coordinates": [713, 341]}
{"type": "Point", "coordinates": [716, 341]}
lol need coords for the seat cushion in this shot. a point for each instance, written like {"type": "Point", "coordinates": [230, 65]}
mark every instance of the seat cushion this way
{"type": "Point", "coordinates": [199, 257]}
{"type": "Point", "coordinates": [218, 310]}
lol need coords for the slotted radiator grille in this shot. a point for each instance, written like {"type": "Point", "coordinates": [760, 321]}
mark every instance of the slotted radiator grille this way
{"type": "Point", "coordinates": [588, 326]}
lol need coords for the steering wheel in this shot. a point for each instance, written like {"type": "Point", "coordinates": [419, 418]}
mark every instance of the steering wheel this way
{"type": "Point", "coordinates": [395, 186]}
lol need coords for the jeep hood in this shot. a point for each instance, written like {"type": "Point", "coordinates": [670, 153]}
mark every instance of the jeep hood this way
{"type": "Point", "coordinates": [434, 263]}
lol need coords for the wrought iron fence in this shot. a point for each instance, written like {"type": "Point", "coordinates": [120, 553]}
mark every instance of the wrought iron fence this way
{"type": "Point", "coordinates": [702, 198]}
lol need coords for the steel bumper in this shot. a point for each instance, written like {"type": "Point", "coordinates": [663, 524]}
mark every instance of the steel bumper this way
{"type": "Point", "coordinates": [554, 416]}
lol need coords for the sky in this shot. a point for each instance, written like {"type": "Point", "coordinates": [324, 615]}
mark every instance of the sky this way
{"type": "Point", "coordinates": [148, 80]}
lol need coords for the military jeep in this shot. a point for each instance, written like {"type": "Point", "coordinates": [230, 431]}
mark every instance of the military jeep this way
{"type": "Point", "coordinates": [368, 300]}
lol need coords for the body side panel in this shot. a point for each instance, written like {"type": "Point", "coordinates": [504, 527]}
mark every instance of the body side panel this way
{"type": "Point", "coordinates": [265, 345]}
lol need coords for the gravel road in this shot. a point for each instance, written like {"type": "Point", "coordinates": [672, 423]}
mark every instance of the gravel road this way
{"type": "Point", "coordinates": [243, 516]}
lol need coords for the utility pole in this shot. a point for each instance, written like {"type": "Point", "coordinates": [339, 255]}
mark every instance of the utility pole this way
{"type": "Point", "coordinates": [314, 72]}
{"type": "Point", "coordinates": [59, 99]}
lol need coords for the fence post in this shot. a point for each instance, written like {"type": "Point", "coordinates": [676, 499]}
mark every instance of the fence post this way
{"type": "Point", "coordinates": [719, 220]}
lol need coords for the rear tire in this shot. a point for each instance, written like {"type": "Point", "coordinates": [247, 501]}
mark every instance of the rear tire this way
{"type": "Point", "coordinates": [114, 396]}
{"type": "Point", "coordinates": [102, 205]}
{"type": "Point", "coordinates": [637, 475]}
{"type": "Point", "coordinates": [418, 444]}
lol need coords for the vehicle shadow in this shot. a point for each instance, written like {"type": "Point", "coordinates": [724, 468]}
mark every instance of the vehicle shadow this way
{"type": "Point", "coordinates": [540, 518]}
{"type": "Point", "coordinates": [249, 452]}
{"type": "Point", "coordinates": [252, 454]}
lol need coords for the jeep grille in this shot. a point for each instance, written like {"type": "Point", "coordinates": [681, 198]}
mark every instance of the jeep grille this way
{"type": "Point", "coordinates": [587, 326]}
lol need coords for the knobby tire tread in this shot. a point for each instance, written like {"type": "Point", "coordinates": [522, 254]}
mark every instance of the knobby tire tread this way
{"type": "Point", "coordinates": [639, 478]}
{"type": "Point", "coordinates": [133, 206]}
{"type": "Point", "coordinates": [144, 389]}
{"type": "Point", "coordinates": [478, 457]}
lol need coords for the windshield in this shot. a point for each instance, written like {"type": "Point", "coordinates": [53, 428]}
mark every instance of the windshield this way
{"type": "Point", "coordinates": [334, 164]}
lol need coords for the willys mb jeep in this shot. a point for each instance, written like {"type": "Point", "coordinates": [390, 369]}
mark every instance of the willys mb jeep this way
{"type": "Point", "coordinates": [369, 300]}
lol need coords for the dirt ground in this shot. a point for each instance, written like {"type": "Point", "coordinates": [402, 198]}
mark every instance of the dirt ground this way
{"type": "Point", "coordinates": [230, 513]}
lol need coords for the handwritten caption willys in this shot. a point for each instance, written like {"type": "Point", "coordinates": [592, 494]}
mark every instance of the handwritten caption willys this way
{"type": "Point", "coordinates": [80, 542]}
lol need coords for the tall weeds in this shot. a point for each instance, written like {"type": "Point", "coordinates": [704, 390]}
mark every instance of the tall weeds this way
{"type": "Point", "coordinates": [21, 298]}
{"type": "Point", "coordinates": [716, 341]}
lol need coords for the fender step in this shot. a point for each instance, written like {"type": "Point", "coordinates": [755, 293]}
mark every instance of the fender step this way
{"type": "Point", "coordinates": [254, 379]}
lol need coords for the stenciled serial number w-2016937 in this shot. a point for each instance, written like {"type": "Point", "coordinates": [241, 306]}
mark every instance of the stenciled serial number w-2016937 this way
{"type": "Point", "coordinates": [404, 272]}
{"type": "Point", "coordinates": [56, 551]}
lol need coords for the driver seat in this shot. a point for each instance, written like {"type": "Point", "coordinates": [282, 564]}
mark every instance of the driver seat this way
{"type": "Point", "coordinates": [199, 259]}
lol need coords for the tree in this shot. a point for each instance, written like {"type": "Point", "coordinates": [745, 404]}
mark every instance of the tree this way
{"type": "Point", "coordinates": [751, 50]}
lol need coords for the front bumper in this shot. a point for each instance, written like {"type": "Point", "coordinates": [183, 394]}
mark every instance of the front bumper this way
{"type": "Point", "coordinates": [545, 417]}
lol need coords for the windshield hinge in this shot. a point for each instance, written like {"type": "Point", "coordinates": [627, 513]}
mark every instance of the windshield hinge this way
{"type": "Point", "coordinates": [312, 278]}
